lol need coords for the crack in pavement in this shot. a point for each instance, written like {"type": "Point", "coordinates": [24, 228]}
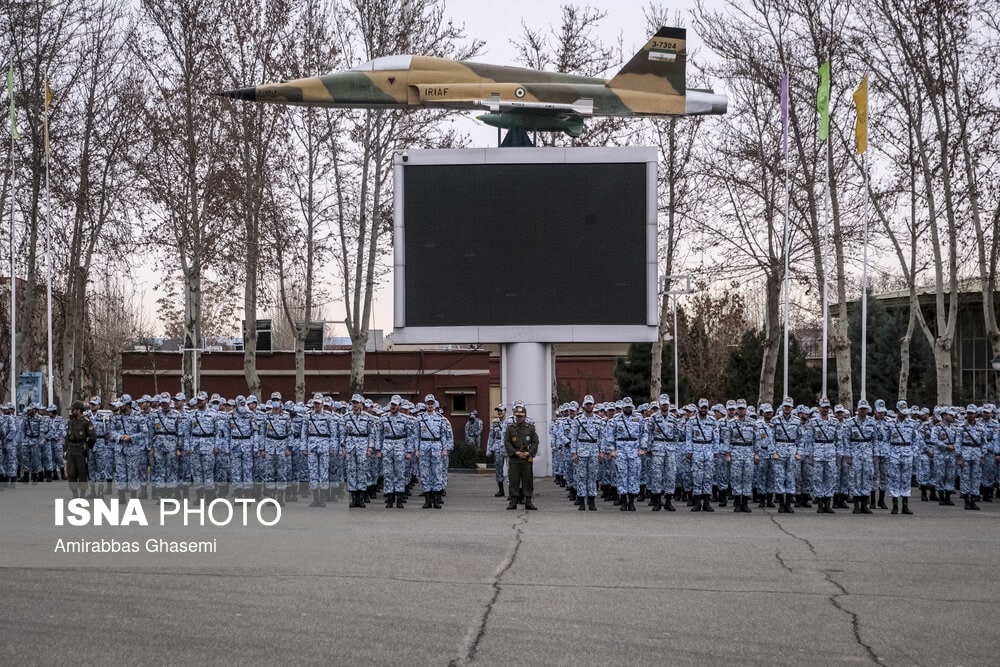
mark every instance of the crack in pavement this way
{"type": "Point", "coordinates": [777, 554]}
{"type": "Point", "coordinates": [835, 598]}
{"type": "Point", "coordinates": [478, 628]}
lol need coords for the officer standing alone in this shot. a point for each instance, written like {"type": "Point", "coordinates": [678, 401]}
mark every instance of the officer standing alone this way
{"type": "Point", "coordinates": [521, 443]}
{"type": "Point", "coordinates": [80, 439]}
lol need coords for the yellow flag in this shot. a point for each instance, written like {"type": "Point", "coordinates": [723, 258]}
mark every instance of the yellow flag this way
{"type": "Point", "coordinates": [861, 123]}
{"type": "Point", "coordinates": [48, 96]}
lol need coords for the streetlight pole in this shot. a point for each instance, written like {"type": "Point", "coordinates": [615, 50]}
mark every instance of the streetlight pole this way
{"type": "Point", "coordinates": [995, 363]}
{"type": "Point", "coordinates": [675, 292]}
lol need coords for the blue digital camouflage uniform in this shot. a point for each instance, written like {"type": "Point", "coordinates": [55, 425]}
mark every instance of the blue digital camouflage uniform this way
{"type": "Point", "coordinates": [494, 446]}
{"type": "Point", "coordinates": [337, 460]}
{"type": "Point", "coordinates": [824, 434]}
{"type": "Point", "coordinates": [359, 442]}
{"type": "Point", "coordinates": [683, 462]}
{"type": "Point", "coordinates": [435, 440]}
{"type": "Point", "coordinates": [901, 433]}
{"type": "Point", "coordinates": [585, 445]}
{"type": "Point", "coordinates": [8, 447]}
{"type": "Point", "coordinates": [298, 464]}
{"type": "Point", "coordinates": [882, 449]}
{"type": "Point", "coordinates": [923, 445]}
{"type": "Point", "coordinates": [163, 426]}
{"type": "Point", "coordinates": [739, 444]}
{"type": "Point", "coordinates": [722, 472]}
{"type": "Point", "coordinates": [102, 469]}
{"type": "Point", "coordinates": [972, 446]}
{"type": "Point", "coordinates": [131, 446]}
{"type": "Point", "coordinates": [990, 426]}
{"type": "Point", "coordinates": [627, 437]}
{"type": "Point", "coordinates": [33, 435]}
{"type": "Point", "coordinates": [844, 469]}
{"type": "Point", "coordinates": [278, 440]}
{"type": "Point", "coordinates": [224, 459]}
{"type": "Point", "coordinates": [201, 442]}
{"type": "Point", "coordinates": [397, 444]}
{"type": "Point", "coordinates": [661, 439]}
{"type": "Point", "coordinates": [946, 450]}
{"type": "Point", "coordinates": [861, 436]}
{"type": "Point", "coordinates": [56, 438]}
{"type": "Point", "coordinates": [374, 462]}
{"type": "Point", "coordinates": [319, 437]}
{"type": "Point", "coordinates": [764, 468]}
{"type": "Point", "coordinates": [244, 445]}
{"type": "Point", "coordinates": [701, 443]}
{"type": "Point", "coordinates": [804, 469]}
{"type": "Point", "coordinates": [785, 453]}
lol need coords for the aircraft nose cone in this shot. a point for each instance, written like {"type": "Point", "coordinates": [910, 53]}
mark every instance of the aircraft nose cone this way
{"type": "Point", "coordinates": [247, 94]}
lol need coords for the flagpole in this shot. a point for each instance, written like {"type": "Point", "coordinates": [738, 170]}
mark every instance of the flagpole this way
{"type": "Point", "coordinates": [864, 281]}
{"type": "Point", "coordinates": [785, 89]}
{"type": "Point", "coordinates": [13, 285]}
{"type": "Point", "coordinates": [48, 245]}
{"type": "Point", "coordinates": [823, 269]}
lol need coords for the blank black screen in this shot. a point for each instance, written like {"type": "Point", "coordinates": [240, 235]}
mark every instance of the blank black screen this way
{"type": "Point", "coordinates": [526, 244]}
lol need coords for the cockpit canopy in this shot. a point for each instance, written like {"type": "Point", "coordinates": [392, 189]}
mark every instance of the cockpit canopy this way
{"type": "Point", "coordinates": [384, 63]}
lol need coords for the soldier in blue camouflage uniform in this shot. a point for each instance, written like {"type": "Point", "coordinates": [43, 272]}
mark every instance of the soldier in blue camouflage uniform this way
{"type": "Point", "coordinates": [899, 450]}
{"type": "Point", "coordinates": [8, 446]}
{"type": "Point", "coordinates": [740, 453]}
{"type": "Point", "coordinates": [494, 446]}
{"type": "Point", "coordinates": [56, 439]}
{"type": "Point", "coordinates": [396, 446]}
{"type": "Point", "coordinates": [990, 426]}
{"type": "Point", "coordinates": [319, 435]}
{"type": "Point", "coordinates": [823, 433]}
{"type": "Point", "coordinates": [359, 444]}
{"type": "Point", "coordinates": [144, 404]}
{"type": "Point", "coordinates": [720, 485]}
{"type": "Point", "coordinates": [243, 447]}
{"type": "Point", "coordinates": [626, 436]}
{"type": "Point", "coordinates": [278, 440]}
{"type": "Point", "coordinates": [585, 447]}
{"type": "Point", "coordinates": [562, 434]}
{"type": "Point", "coordinates": [785, 457]}
{"type": "Point", "coordinates": [803, 472]}
{"type": "Point", "coordinates": [661, 436]}
{"type": "Point", "coordinates": [131, 444]}
{"type": "Point", "coordinates": [101, 467]}
{"type": "Point", "coordinates": [881, 483]}
{"type": "Point", "coordinates": [861, 436]}
{"type": "Point", "coordinates": [701, 443]}
{"type": "Point", "coordinates": [607, 468]}
{"type": "Point", "coordinates": [971, 448]}
{"type": "Point", "coordinates": [163, 426]}
{"type": "Point", "coordinates": [844, 469]}
{"type": "Point", "coordinates": [924, 444]}
{"type": "Point", "coordinates": [946, 450]}
{"type": "Point", "coordinates": [224, 459]}
{"type": "Point", "coordinates": [764, 469]}
{"type": "Point", "coordinates": [435, 442]}
{"type": "Point", "coordinates": [201, 442]}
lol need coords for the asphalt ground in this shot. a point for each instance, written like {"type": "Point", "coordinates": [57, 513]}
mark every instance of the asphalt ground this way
{"type": "Point", "coordinates": [474, 583]}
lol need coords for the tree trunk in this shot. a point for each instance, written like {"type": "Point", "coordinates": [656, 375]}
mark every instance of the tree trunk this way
{"type": "Point", "coordinates": [772, 337]}
{"type": "Point", "coordinates": [359, 344]}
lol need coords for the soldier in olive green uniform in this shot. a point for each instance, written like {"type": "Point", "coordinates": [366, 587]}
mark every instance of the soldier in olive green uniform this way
{"type": "Point", "coordinates": [80, 439]}
{"type": "Point", "coordinates": [521, 442]}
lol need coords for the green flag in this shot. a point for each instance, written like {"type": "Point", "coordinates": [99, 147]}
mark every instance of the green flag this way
{"type": "Point", "coordinates": [13, 110]}
{"type": "Point", "coordinates": [823, 101]}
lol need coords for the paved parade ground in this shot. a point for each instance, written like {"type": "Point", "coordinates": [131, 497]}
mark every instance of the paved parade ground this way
{"type": "Point", "coordinates": [473, 582]}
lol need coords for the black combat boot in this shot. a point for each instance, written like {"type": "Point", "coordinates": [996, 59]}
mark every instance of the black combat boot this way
{"type": "Point", "coordinates": [354, 499]}
{"type": "Point", "coordinates": [279, 496]}
{"type": "Point", "coordinates": [695, 503]}
{"type": "Point", "coordinates": [857, 505]}
{"type": "Point", "coordinates": [974, 500]}
{"type": "Point", "coordinates": [770, 499]}
{"type": "Point", "coordinates": [631, 502]}
{"type": "Point", "coordinates": [923, 493]}
{"type": "Point", "coordinates": [820, 505]}
{"type": "Point", "coordinates": [642, 493]}
{"type": "Point", "coordinates": [581, 501]}
{"type": "Point", "coordinates": [781, 504]}
{"type": "Point", "coordinates": [965, 499]}
{"type": "Point", "coordinates": [934, 493]}
{"type": "Point", "coordinates": [881, 500]}
{"type": "Point", "coordinates": [622, 502]}
{"type": "Point", "coordinates": [528, 505]}
{"type": "Point", "coordinates": [706, 506]}
{"type": "Point", "coordinates": [895, 506]}
{"type": "Point", "coordinates": [121, 497]}
{"type": "Point", "coordinates": [865, 509]}
{"type": "Point", "coordinates": [829, 507]}
{"type": "Point", "coordinates": [571, 494]}
{"type": "Point", "coordinates": [788, 503]}
{"type": "Point", "coordinates": [390, 501]}
{"type": "Point", "coordinates": [906, 505]}
{"type": "Point", "coordinates": [592, 503]}
{"type": "Point", "coordinates": [428, 504]}
{"type": "Point", "coordinates": [723, 497]}
{"type": "Point", "coordinates": [361, 499]}
{"type": "Point", "coordinates": [511, 504]}
{"type": "Point", "coordinates": [947, 498]}
{"type": "Point", "coordinates": [317, 500]}
{"type": "Point", "coordinates": [745, 504]}
{"type": "Point", "coordinates": [436, 499]}
{"type": "Point", "coordinates": [762, 498]}
{"type": "Point", "coordinates": [499, 493]}
{"type": "Point", "coordinates": [667, 505]}
{"type": "Point", "coordinates": [656, 502]}
{"type": "Point", "coordinates": [400, 501]}
{"type": "Point", "coordinates": [143, 492]}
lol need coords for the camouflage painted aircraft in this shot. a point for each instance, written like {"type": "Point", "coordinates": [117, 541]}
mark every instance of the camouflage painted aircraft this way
{"type": "Point", "coordinates": [653, 83]}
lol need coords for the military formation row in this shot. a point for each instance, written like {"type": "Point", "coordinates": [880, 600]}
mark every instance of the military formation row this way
{"type": "Point", "coordinates": [216, 446]}
{"type": "Point", "coordinates": [708, 454]}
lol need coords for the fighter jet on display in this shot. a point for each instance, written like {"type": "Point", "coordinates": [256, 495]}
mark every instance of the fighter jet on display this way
{"type": "Point", "coordinates": [651, 84]}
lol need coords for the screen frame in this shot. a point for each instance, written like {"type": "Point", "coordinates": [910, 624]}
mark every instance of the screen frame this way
{"type": "Point", "coordinates": [583, 333]}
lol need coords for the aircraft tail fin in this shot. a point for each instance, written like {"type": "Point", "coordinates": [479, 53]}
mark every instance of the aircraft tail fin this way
{"type": "Point", "coordinates": [659, 67]}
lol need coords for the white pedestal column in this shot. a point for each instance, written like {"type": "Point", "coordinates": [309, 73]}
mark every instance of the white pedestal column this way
{"type": "Point", "coordinates": [526, 375]}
